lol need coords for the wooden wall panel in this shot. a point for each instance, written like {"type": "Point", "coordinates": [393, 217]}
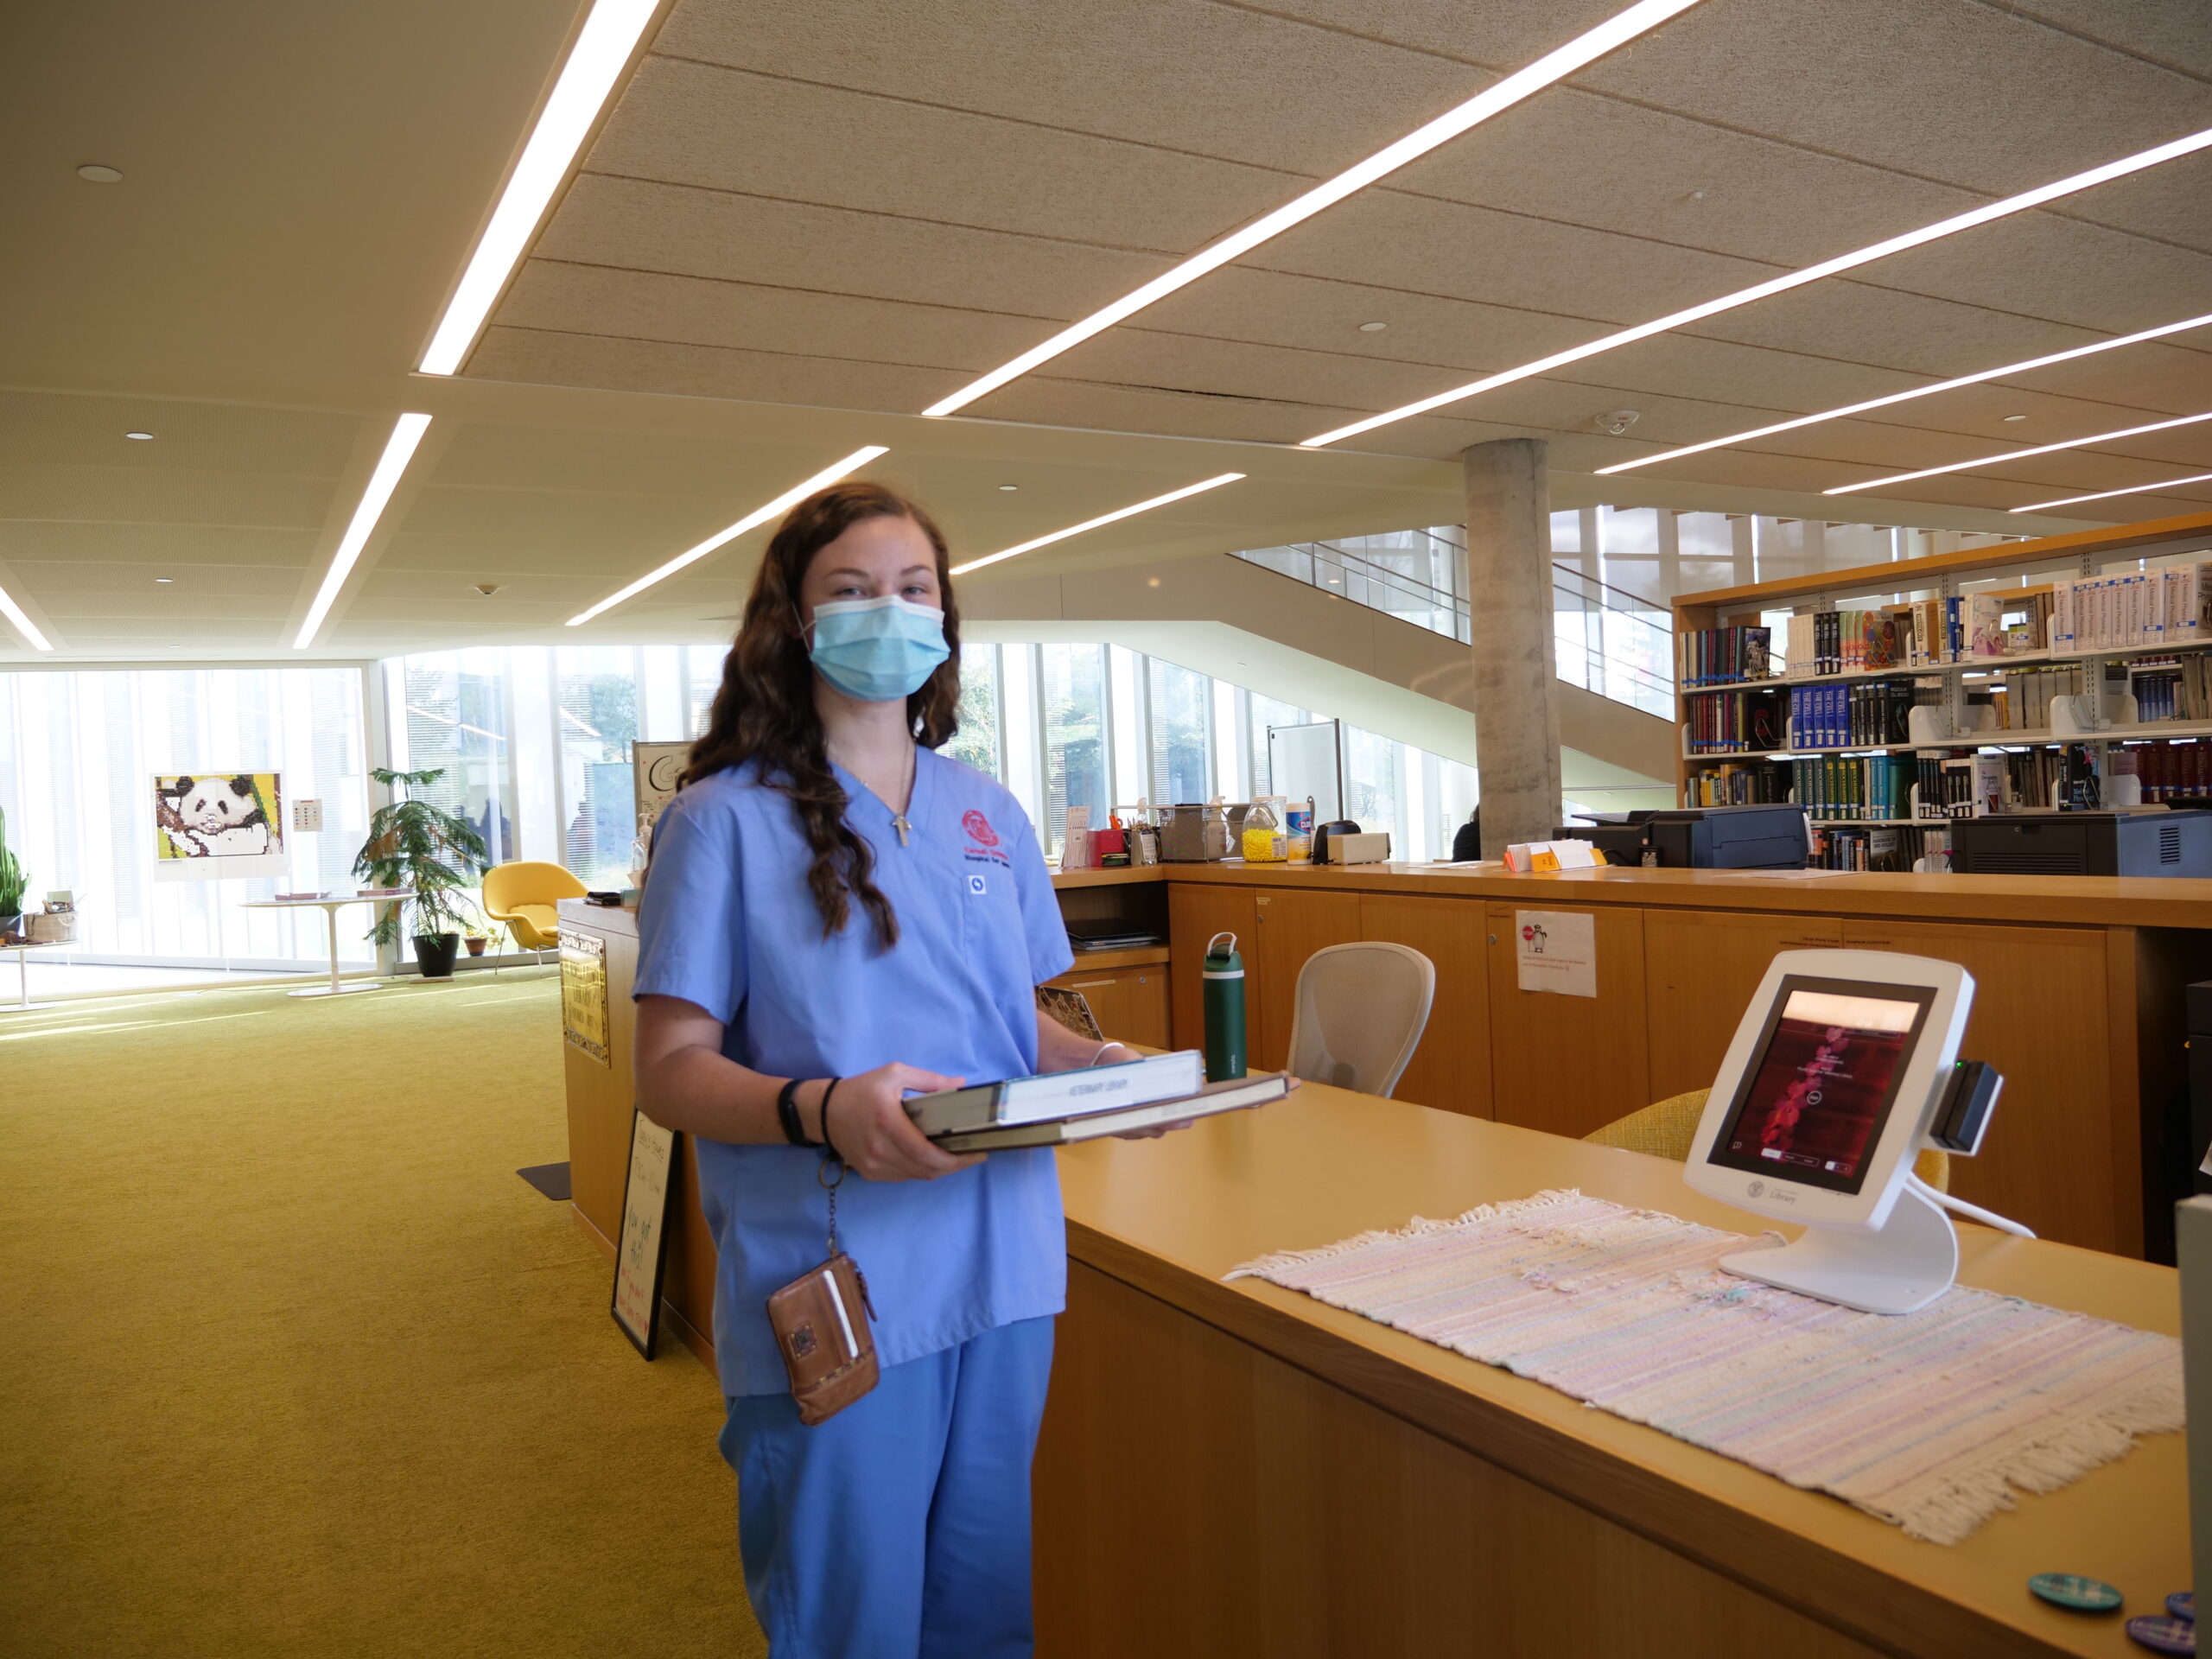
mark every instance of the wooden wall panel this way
{"type": "Point", "coordinates": [1451, 1069]}
{"type": "Point", "coordinates": [1568, 1065]}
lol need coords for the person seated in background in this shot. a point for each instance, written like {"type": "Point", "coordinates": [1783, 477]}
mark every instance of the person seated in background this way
{"type": "Point", "coordinates": [1467, 845]}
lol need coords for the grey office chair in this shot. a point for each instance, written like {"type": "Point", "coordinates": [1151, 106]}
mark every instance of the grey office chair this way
{"type": "Point", "coordinates": [1361, 1011]}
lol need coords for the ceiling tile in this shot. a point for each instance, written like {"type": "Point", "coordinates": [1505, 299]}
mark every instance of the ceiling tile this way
{"type": "Point", "coordinates": [692, 124]}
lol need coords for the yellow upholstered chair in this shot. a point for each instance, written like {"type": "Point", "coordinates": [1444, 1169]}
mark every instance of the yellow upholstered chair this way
{"type": "Point", "coordinates": [521, 896]}
{"type": "Point", "coordinates": [1666, 1129]}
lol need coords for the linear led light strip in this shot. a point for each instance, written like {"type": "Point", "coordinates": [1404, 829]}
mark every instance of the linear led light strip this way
{"type": "Point", "coordinates": [1907, 397]}
{"type": "Point", "coordinates": [2106, 495]}
{"type": "Point", "coordinates": [1522, 83]}
{"type": "Point", "coordinates": [609, 35]}
{"type": "Point", "coordinates": [2020, 454]}
{"type": "Point", "coordinates": [759, 515]}
{"type": "Point", "coordinates": [24, 625]}
{"type": "Point", "coordinates": [1952, 226]}
{"type": "Point", "coordinates": [1214, 483]}
{"type": "Point", "coordinates": [398, 449]}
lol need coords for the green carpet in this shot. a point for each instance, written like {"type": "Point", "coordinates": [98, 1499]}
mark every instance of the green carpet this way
{"type": "Point", "coordinates": [295, 1365]}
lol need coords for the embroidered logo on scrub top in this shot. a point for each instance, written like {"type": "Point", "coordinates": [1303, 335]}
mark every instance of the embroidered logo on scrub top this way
{"type": "Point", "coordinates": [983, 845]}
{"type": "Point", "coordinates": [975, 885]}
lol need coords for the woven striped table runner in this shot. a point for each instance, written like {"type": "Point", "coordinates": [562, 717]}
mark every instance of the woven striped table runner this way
{"type": "Point", "coordinates": [1929, 1420]}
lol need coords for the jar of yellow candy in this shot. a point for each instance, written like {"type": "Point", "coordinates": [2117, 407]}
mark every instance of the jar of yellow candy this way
{"type": "Point", "coordinates": [1263, 842]}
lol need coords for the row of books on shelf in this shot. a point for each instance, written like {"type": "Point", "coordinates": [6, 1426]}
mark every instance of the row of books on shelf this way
{"type": "Point", "coordinates": [2136, 610]}
{"type": "Point", "coordinates": [1829, 717]}
{"type": "Point", "coordinates": [1723, 656]}
{"type": "Point", "coordinates": [1834, 787]}
{"type": "Point", "coordinates": [2181, 690]}
{"type": "Point", "coordinates": [1952, 782]}
{"type": "Point", "coordinates": [1730, 721]}
{"type": "Point", "coordinates": [1897, 848]}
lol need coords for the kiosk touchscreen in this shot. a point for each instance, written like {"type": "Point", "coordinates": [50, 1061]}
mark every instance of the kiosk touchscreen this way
{"type": "Point", "coordinates": [1842, 1065]}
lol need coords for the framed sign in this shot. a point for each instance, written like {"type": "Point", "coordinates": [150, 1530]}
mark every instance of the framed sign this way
{"type": "Point", "coordinates": [583, 992]}
{"type": "Point", "coordinates": [642, 1251]}
{"type": "Point", "coordinates": [657, 765]}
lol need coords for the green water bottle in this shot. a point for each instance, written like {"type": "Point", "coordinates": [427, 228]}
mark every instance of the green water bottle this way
{"type": "Point", "coordinates": [1224, 973]}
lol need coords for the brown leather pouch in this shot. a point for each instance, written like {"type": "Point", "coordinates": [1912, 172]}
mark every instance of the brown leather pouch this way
{"type": "Point", "coordinates": [821, 1321]}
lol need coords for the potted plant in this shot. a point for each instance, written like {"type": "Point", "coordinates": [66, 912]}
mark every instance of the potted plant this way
{"type": "Point", "coordinates": [432, 853]}
{"type": "Point", "coordinates": [477, 934]}
{"type": "Point", "coordinates": [13, 880]}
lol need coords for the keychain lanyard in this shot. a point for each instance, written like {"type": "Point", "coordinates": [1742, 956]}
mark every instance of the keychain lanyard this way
{"type": "Point", "coordinates": [830, 1183]}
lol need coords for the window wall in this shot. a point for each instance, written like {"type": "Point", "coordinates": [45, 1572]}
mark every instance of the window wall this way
{"type": "Point", "coordinates": [1165, 733]}
{"type": "Point", "coordinates": [79, 754]}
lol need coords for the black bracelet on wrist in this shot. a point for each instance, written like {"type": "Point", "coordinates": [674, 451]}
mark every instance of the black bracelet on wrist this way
{"type": "Point", "coordinates": [787, 1114]}
{"type": "Point", "coordinates": [828, 1090]}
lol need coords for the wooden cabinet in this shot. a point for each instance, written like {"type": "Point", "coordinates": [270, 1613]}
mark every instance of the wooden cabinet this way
{"type": "Point", "coordinates": [1701, 968]}
{"type": "Point", "coordinates": [1196, 912]}
{"type": "Point", "coordinates": [1568, 1065]}
{"type": "Point", "coordinates": [1130, 1004]}
{"type": "Point", "coordinates": [2040, 1018]}
{"type": "Point", "coordinates": [1451, 1069]}
{"type": "Point", "coordinates": [1292, 926]}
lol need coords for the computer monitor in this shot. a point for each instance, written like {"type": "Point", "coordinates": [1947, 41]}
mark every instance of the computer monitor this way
{"type": "Point", "coordinates": [1822, 1100]}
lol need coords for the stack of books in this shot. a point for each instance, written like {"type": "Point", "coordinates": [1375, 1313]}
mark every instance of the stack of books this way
{"type": "Point", "coordinates": [1062, 1107]}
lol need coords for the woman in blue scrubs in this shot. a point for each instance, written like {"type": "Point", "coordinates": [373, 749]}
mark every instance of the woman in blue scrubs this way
{"type": "Point", "coordinates": [838, 915]}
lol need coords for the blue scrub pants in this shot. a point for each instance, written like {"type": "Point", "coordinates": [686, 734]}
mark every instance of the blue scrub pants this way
{"type": "Point", "coordinates": [900, 1528]}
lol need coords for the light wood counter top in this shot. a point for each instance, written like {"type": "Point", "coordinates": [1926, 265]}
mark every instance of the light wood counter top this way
{"type": "Point", "coordinates": [1169, 1217]}
{"type": "Point", "coordinates": [2084, 900]}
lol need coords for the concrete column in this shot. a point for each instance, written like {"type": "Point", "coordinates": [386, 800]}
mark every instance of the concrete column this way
{"type": "Point", "coordinates": [1509, 594]}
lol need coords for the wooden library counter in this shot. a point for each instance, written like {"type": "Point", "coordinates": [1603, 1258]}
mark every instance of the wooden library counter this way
{"type": "Point", "coordinates": [2080, 1004]}
{"type": "Point", "coordinates": [1236, 1468]}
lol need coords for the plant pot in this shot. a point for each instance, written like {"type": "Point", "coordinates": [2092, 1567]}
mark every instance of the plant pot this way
{"type": "Point", "coordinates": [434, 954]}
{"type": "Point", "coordinates": [476, 946]}
{"type": "Point", "coordinates": [11, 928]}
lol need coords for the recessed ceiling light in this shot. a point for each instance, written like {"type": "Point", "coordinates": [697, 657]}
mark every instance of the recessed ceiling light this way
{"type": "Point", "coordinates": [1129, 511]}
{"type": "Point", "coordinates": [2106, 495]}
{"type": "Point", "coordinates": [2022, 454]}
{"type": "Point", "coordinates": [1638, 19]}
{"type": "Point", "coordinates": [487, 588]}
{"type": "Point", "coordinates": [94, 173]}
{"type": "Point", "coordinates": [23, 625]}
{"type": "Point", "coordinates": [1372, 328]}
{"type": "Point", "coordinates": [1951, 226]}
{"type": "Point", "coordinates": [164, 580]}
{"type": "Point", "coordinates": [2022, 367]}
{"type": "Point", "coordinates": [398, 449]}
{"type": "Point", "coordinates": [608, 37]}
{"type": "Point", "coordinates": [759, 515]}
{"type": "Point", "coordinates": [1009, 487]}
{"type": "Point", "coordinates": [142, 437]}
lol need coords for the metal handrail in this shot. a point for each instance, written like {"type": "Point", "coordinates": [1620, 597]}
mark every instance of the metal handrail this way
{"type": "Point", "coordinates": [1629, 658]}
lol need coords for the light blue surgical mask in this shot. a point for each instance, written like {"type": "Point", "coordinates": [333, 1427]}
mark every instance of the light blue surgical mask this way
{"type": "Point", "coordinates": [878, 650]}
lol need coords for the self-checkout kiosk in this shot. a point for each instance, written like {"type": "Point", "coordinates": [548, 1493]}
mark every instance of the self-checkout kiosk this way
{"type": "Point", "coordinates": [1844, 1066]}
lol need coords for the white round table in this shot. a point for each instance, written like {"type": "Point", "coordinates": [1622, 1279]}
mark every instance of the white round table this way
{"type": "Point", "coordinates": [329, 905]}
{"type": "Point", "coordinates": [23, 948]}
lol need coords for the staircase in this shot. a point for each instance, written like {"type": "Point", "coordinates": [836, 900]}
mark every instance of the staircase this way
{"type": "Point", "coordinates": [1277, 624]}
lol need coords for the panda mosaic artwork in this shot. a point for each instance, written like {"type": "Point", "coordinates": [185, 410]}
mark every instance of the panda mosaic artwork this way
{"type": "Point", "coordinates": [220, 823]}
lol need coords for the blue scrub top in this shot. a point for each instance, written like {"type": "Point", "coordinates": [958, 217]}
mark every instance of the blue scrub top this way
{"type": "Point", "coordinates": [728, 923]}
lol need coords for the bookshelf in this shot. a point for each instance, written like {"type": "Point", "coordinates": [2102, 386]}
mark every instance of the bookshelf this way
{"type": "Point", "coordinates": [2082, 616]}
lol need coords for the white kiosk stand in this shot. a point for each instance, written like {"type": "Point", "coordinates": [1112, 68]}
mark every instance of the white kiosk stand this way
{"type": "Point", "coordinates": [1845, 1065]}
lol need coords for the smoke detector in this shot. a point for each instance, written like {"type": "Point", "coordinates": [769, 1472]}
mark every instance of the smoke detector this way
{"type": "Point", "coordinates": [1619, 421]}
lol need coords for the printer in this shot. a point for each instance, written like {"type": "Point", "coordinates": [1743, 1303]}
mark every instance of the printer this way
{"type": "Point", "coordinates": [1766, 835]}
{"type": "Point", "coordinates": [2157, 841]}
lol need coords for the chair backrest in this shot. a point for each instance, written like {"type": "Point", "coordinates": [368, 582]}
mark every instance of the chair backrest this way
{"type": "Point", "coordinates": [527, 881]}
{"type": "Point", "coordinates": [1361, 1011]}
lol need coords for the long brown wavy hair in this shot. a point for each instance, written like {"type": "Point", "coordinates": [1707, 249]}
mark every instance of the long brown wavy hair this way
{"type": "Point", "coordinates": [764, 709]}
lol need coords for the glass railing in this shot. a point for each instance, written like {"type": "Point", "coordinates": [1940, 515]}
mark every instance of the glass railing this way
{"type": "Point", "coordinates": [1605, 641]}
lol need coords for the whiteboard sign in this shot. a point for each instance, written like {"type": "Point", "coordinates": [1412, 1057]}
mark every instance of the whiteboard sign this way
{"type": "Point", "coordinates": [643, 1248]}
{"type": "Point", "coordinates": [1556, 951]}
